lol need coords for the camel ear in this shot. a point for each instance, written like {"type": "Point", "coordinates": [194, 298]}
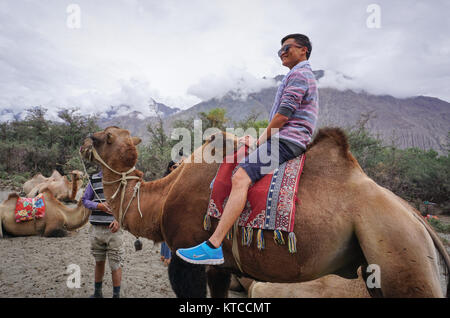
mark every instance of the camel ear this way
{"type": "Point", "coordinates": [110, 138]}
{"type": "Point", "coordinates": [136, 140]}
{"type": "Point", "coordinates": [212, 137]}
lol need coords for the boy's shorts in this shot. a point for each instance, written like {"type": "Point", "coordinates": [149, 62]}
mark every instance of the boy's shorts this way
{"type": "Point", "coordinates": [105, 243]}
{"type": "Point", "coordinates": [264, 159]}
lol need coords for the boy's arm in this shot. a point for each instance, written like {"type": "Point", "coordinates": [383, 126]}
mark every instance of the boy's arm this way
{"type": "Point", "coordinates": [87, 198]}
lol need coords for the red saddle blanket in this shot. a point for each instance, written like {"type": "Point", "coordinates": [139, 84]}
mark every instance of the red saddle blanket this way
{"type": "Point", "coordinates": [270, 201]}
{"type": "Point", "coordinates": [29, 208]}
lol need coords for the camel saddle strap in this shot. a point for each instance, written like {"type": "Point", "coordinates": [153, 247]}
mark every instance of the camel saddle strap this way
{"type": "Point", "coordinates": [235, 247]}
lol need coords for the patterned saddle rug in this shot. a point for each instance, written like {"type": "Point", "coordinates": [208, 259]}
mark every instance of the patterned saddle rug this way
{"type": "Point", "coordinates": [270, 201]}
{"type": "Point", "coordinates": [29, 208]}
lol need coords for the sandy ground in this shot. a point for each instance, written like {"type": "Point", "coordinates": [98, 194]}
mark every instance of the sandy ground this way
{"type": "Point", "coordinates": [37, 267]}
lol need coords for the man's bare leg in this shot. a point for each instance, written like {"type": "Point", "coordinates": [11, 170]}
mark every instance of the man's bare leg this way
{"type": "Point", "coordinates": [116, 277]}
{"type": "Point", "coordinates": [233, 209]}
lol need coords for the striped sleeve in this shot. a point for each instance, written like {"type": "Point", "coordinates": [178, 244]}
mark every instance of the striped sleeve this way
{"type": "Point", "coordinates": [87, 198]}
{"type": "Point", "coordinates": [296, 87]}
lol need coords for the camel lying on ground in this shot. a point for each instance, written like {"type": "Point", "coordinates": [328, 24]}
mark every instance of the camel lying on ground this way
{"type": "Point", "coordinates": [344, 220]}
{"type": "Point", "coordinates": [329, 286]}
{"type": "Point", "coordinates": [38, 179]}
{"type": "Point", "coordinates": [57, 220]}
{"type": "Point", "coordinates": [61, 188]}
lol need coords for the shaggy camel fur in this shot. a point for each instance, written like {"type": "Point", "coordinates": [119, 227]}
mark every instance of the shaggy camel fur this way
{"type": "Point", "coordinates": [38, 179]}
{"type": "Point", "coordinates": [345, 220]}
{"type": "Point", "coordinates": [57, 220]}
{"type": "Point", "coordinates": [61, 188]}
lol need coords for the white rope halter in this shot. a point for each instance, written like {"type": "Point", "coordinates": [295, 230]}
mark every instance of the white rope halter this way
{"type": "Point", "coordinates": [123, 184]}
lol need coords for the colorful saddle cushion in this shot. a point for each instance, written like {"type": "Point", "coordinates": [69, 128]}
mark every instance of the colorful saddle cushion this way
{"type": "Point", "coordinates": [270, 201]}
{"type": "Point", "coordinates": [29, 208]}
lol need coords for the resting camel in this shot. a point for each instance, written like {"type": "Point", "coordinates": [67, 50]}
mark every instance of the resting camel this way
{"type": "Point", "coordinates": [344, 220]}
{"type": "Point", "coordinates": [38, 179]}
{"type": "Point", "coordinates": [329, 286]}
{"type": "Point", "coordinates": [57, 219]}
{"type": "Point", "coordinates": [61, 188]}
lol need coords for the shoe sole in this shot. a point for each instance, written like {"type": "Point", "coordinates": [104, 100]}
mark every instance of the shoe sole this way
{"type": "Point", "coordinates": [201, 262]}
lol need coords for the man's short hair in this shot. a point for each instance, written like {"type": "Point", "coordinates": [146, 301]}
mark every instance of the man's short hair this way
{"type": "Point", "coordinates": [300, 39]}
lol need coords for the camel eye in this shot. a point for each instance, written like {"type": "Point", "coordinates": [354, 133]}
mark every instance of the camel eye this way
{"type": "Point", "coordinates": [110, 138]}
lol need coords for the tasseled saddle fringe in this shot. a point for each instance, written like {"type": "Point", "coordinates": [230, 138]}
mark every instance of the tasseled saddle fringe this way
{"type": "Point", "coordinates": [278, 237]}
{"type": "Point", "coordinates": [247, 236]}
{"type": "Point", "coordinates": [207, 222]}
{"type": "Point", "coordinates": [260, 240]}
{"type": "Point", "coordinates": [292, 243]}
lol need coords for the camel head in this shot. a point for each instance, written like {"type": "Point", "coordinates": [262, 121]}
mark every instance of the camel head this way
{"type": "Point", "coordinates": [77, 175]}
{"type": "Point", "coordinates": [115, 146]}
{"type": "Point", "coordinates": [217, 145]}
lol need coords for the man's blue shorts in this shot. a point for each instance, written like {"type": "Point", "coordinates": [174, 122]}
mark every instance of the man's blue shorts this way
{"type": "Point", "coordinates": [264, 159]}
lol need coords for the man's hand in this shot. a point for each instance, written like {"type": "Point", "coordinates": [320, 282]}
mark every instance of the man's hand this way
{"type": "Point", "coordinates": [247, 140]}
{"type": "Point", "coordinates": [114, 226]}
{"type": "Point", "coordinates": [104, 207]}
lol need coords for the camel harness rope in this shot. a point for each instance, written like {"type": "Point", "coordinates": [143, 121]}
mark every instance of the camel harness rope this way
{"type": "Point", "coordinates": [123, 184]}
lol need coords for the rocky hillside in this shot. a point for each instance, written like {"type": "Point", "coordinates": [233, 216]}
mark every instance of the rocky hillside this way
{"type": "Point", "coordinates": [422, 122]}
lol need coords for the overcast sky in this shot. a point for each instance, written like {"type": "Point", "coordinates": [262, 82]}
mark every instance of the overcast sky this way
{"type": "Point", "coordinates": [183, 52]}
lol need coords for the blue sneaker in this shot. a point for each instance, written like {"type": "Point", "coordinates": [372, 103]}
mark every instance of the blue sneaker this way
{"type": "Point", "coordinates": [201, 254]}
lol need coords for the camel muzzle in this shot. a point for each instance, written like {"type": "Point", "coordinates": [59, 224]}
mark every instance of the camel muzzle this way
{"type": "Point", "coordinates": [86, 149]}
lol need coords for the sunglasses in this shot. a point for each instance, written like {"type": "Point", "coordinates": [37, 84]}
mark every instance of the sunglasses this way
{"type": "Point", "coordinates": [286, 48]}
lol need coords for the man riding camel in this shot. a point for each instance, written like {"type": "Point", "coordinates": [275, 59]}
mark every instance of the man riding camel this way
{"type": "Point", "coordinates": [293, 119]}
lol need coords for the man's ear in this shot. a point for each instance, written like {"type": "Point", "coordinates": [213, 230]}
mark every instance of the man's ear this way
{"type": "Point", "coordinates": [136, 140]}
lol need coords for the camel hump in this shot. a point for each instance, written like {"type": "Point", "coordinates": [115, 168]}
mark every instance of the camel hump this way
{"type": "Point", "coordinates": [334, 133]}
{"type": "Point", "coordinates": [13, 195]}
{"type": "Point", "coordinates": [338, 136]}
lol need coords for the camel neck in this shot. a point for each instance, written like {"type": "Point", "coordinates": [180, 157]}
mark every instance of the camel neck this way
{"type": "Point", "coordinates": [151, 199]}
{"type": "Point", "coordinates": [75, 217]}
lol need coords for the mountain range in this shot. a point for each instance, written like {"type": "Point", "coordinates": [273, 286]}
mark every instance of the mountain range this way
{"type": "Point", "coordinates": [419, 121]}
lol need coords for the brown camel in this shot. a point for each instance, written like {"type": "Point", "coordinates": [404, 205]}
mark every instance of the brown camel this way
{"type": "Point", "coordinates": [61, 188]}
{"type": "Point", "coordinates": [329, 286]}
{"type": "Point", "coordinates": [38, 179]}
{"type": "Point", "coordinates": [57, 220]}
{"type": "Point", "coordinates": [344, 220]}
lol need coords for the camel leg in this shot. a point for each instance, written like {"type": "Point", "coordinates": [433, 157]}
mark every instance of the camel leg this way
{"type": "Point", "coordinates": [218, 282]}
{"type": "Point", "coordinates": [55, 228]}
{"type": "Point", "coordinates": [187, 280]}
{"type": "Point", "coordinates": [389, 239]}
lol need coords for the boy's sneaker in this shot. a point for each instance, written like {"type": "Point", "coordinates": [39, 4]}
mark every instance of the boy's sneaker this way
{"type": "Point", "coordinates": [202, 254]}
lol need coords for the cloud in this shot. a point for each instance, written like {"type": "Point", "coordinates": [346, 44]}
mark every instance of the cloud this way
{"type": "Point", "coordinates": [180, 53]}
{"type": "Point", "coordinates": [240, 82]}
